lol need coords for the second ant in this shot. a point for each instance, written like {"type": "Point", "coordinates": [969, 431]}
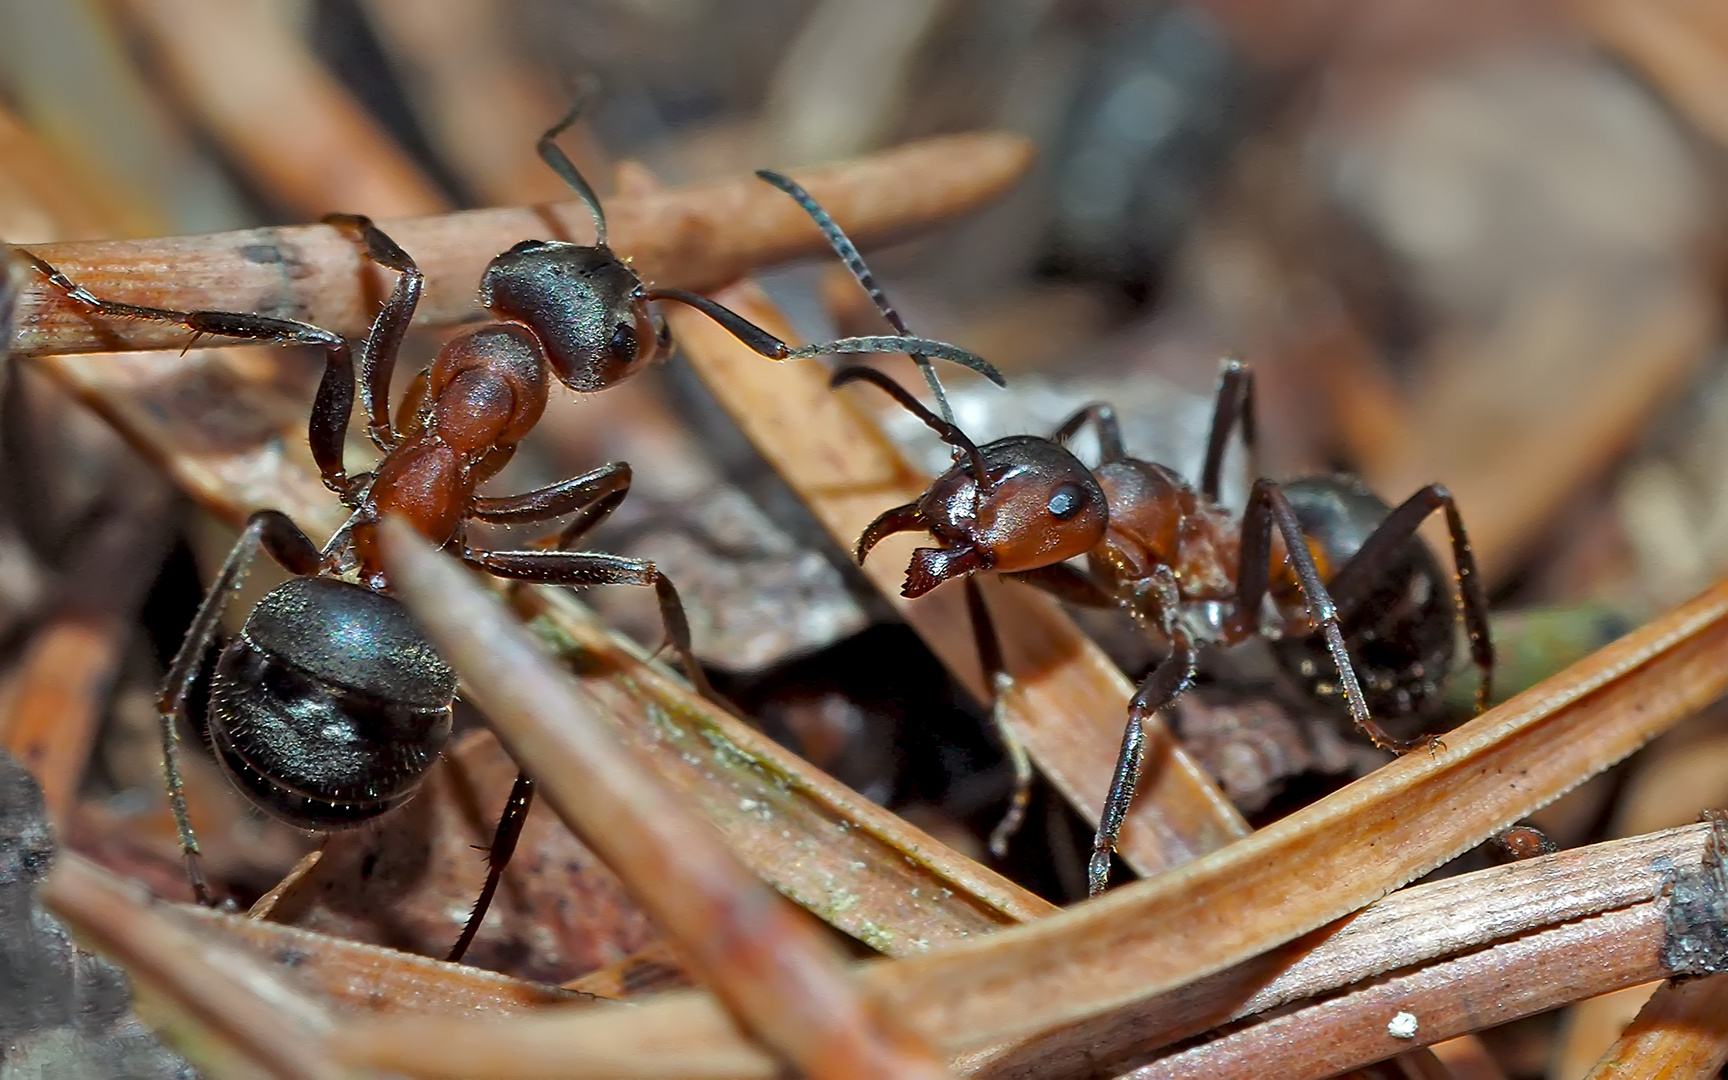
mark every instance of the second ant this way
{"type": "Point", "coordinates": [1316, 566]}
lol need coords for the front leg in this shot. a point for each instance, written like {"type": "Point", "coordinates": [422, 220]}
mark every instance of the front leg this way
{"type": "Point", "coordinates": [1165, 684]}
{"type": "Point", "coordinates": [384, 341]}
{"type": "Point", "coordinates": [1067, 583]}
{"type": "Point", "coordinates": [1001, 685]}
{"type": "Point", "coordinates": [328, 428]}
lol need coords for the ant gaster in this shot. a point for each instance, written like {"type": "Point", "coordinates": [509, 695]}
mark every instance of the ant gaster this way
{"type": "Point", "coordinates": [1328, 555]}
{"type": "Point", "coordinates": [330, 705]}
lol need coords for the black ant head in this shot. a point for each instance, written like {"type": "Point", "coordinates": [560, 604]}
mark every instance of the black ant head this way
{"type": "Point", "coordinates": [1016, 504]}
{"type": "Point", "coordinates": [585, 305]}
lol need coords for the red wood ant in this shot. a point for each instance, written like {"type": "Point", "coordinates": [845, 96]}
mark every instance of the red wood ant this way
{"type": "Point", "coordinates": [1340, 562]}
{"type": "Point", "coordinates": [329, 706]}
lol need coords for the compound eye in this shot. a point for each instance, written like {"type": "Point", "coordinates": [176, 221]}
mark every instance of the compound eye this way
{"type": "Point", "coordinates": [1067, 501]}
{"type": "Point", "coordinates": [625, 344]}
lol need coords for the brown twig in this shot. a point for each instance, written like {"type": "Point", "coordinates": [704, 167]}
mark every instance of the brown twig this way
{"type": "Point", "coordinates": [1071, 702]}
{"type": "Point", "coordinates": [224, 992]}
{"type": "Point", "coordinates": [761, 956]}
{"type": "Point", "coordinates": [693, 238]}
{"type": "Point", "coordinates": [1494, 986]}
{"type": "Point", "coordinates": [369, 979]}
{"type": "Point", "coordinates": [648, 970]}
{"type": "Point", "coordinates": [1422, 925]}
{"type": "Point", "coordinates": [1681, 1032]}
{"type": "Point", "coordinates": [56, 702]}
{"type": "Point", "coordinates": [1288, 879]}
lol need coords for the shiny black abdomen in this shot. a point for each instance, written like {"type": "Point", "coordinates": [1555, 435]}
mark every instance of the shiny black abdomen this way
{"type": "Point", "coordinates": [330, 705]}
{"type": "Point", "coordinates": [1402, 635]}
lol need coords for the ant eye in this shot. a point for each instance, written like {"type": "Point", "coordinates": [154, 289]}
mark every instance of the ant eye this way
{"type": "Point", "coordinates": [624, 343]}
{"type": "Point", "coordinates": [1066, 502]}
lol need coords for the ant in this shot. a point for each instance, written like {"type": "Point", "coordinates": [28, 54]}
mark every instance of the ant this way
{"type": "Point", "coordinates": [1327, 553]}
{"type": "Point", "coordinates": [330, 705]}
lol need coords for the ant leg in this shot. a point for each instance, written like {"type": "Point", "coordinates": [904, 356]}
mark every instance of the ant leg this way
{"type": "Point", "coordinates": [498, 855]}
{"type": "Point", "coordinates": [1235, 403]}
{"type": "Point", "coordinates": [1109, 431]}
{"type": "Point", "coordinates": [1266, 506]}
{"type": "Point", "coordinates": [1165, 684]}
{"type": "Point", "coordinates": [579, 568]}
{"type": "Point", "coordinates": [1001, 684]}
{"type": "Point", "coordinates": [590, 497]}
{"type": "Point", "coordinates": [290, 547]}
{"type": "Point", "coordinates": [328, 428]}
{"type": "Point", "coordinates": [1350, 585]}
{"type": "Point", "coordinates": [1067, 583]}
{"type": "Point", "coordinates": [384, 340]}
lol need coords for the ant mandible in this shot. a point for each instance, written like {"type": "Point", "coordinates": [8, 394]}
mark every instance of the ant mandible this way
{"type": "Point", "coordinates": [330, 705]}
{"type": "Point", "coordinates": [1179, 563]}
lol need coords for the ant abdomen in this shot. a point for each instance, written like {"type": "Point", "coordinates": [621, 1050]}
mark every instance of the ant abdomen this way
{"type": "Point", "coordinates": [330, 705]}
{"type": "Point", "coordinates": [1401, 628]}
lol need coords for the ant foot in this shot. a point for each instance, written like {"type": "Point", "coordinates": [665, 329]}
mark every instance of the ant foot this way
{"type": "Point", "coordinates": [1404, 746]}
{"type": "Point", "coordinates": [1098, 872]}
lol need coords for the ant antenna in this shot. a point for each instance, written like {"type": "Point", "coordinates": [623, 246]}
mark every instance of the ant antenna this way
{"type": "Point", "coordinates": [848, 252]}
{"type": "Point", "coordinates": [559, 162]}
{"type": "Point", "coordinates": [947, 430]}
{"type": "Point", "coordinates": [923, 347]}
{"type": "Point", "coordinates": [774, 349]}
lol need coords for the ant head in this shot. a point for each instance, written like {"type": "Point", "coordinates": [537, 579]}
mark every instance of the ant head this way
{"type": "Point", "coordinates": [1016, 504]}
{"type": "Point", "coordinates": [1040, 507]}
{"type": "Point", "coordinates": [587, 308]}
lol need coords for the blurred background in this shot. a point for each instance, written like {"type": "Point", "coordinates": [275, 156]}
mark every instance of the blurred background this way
{"type": "Point", "coordinates": [1458, 240]}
